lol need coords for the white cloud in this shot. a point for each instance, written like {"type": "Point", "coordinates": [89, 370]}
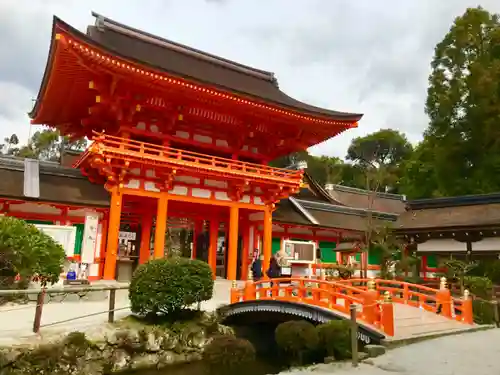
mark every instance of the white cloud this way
{"type": "Point", "coordinates": [361, 56]}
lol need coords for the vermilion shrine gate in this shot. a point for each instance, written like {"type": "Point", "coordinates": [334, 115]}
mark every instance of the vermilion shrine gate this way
{"type": "Point", "coordinates": [177, 132]}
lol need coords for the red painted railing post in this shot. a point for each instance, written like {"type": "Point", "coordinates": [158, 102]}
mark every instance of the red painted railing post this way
{"type": "Point", "coordinates": [443, 299]}
{"type": "Point", "coordinates": [249, 293]}
{"type": "Point", "coordinates": [333, 294]}
{"type": "Point", "coordinates": [406, 293]}
{"type": "Point", "coordinates": [467, 310]}
{"type": "Point", "coordinates": [370, 303]}
{"type": "Point", "coordinates": [234, 293]}
{"type": "Point", "coordinates": [387, 315]}
{"type": "Point", "coordinates": [302, 293]}
{"type": "Point", "coordinates": [275, 290]}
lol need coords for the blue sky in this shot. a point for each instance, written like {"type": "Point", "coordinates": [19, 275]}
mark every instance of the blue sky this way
{"type": "Point", "coordinates": [362, 56]}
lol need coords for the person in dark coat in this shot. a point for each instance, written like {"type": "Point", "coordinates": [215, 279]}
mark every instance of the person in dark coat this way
{"type": "Point", "coordinates": [274, 270]}
{"type": "Point", "coordinates": [257, 268]}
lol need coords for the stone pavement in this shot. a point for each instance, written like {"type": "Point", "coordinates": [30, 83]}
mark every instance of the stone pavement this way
{"type": "Point", "coordinates": [412, 323]}
{"type": "Point", "coordinates": [473, 353]}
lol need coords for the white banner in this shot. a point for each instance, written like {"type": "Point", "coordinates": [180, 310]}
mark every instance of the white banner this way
{"type": "Point", "coordinates": [89, 238]}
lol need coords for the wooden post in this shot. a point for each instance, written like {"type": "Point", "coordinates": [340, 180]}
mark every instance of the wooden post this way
{"type": "Point", "coordinates": [197, 230]}
{"type": "Point", "coordinates": [467, 313]}
{"type": "Point", "coordinates": [245, 252]}
{"type": "Point", "coordinates": [161, 227]}
{"type": "Point", "coordinates": [112, 300]}
{"type": "Point", "coordinates": [104, 240]}
{"type": "Point", "coordinates": [250, 291]}
{"type": "Point", "coordinates": [443, 299]}
{"type": "Point", "coordinates": [115, 210]}
{"type": "Point", "coordinates": [212, 248]}
{"type": "Point", "coordinates": [232, 257]}
{"type": "Point", "coordinates": [234, 292]}
{"type": "Point", "coordinates": [370, 302]}
{"type": "Point", "coordinates": [354, 336]}
{"type": "Point", "coordinates": [267, 239]}
{"type": "Point", "coordinates": [496, 313]}
{"type": "Point", "coordinates": [38, 310]}
{"type": "Point", "coordinates": [146, 224]}
{"type": "Point", "coordinates": [387, 315]}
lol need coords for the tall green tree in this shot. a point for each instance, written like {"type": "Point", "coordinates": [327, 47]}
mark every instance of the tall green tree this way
{"type": "Point", "coordinates": [10, 144]}
{"type": "Point", "coordinates": [380, 156]}
{"type": "Point", "coordinates": [382, 148]}
{"type": "Point", "coordinates": [418, 175]}
{"type": "Point", "coordinates": [325, 169]}
{"type": "Point", "coordinates": [462, 143]}
{"type": "Point", "coordinates": [44, 145]}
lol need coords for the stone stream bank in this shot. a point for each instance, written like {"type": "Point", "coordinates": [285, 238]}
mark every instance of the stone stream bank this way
{"type": "Point", "coordinates": [125, 346]}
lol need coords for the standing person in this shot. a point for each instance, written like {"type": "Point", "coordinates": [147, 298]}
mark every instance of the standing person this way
{"type": "Point", "coordinates": [274, 270]}
{"type": "Point", "coordinates": [257, 267]}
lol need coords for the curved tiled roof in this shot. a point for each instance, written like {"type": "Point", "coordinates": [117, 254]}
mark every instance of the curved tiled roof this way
{"type": "Point", "coordinates": [194, 64]}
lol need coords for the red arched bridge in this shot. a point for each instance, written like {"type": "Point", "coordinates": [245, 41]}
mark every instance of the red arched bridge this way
{"type": "Point", "coordinates": [385, 308]}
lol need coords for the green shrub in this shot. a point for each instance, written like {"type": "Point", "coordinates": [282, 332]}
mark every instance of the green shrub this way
{"type": "Point", "coordinates": [229, 355]}
{"type": "Point", "coordinates": [484, 312]}
{"type": "Point", "coordinates": [169, 285]}
{"type": "Point", "coordinates": [335, 339]}
{"type": "Point", "coordinates": [481, 287]}
{"type": "Point", "coordinates": [29, 252]}
{"type": "Point", "coordinates": [493, 271]}
{"type": "Point", "coordinates": [298, 339]}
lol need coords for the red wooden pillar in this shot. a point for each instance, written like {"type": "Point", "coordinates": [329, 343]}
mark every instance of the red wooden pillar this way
{"type": "Point", "coordinates": [212, 248]}
{"type": "Point", "coordinates": [113, 232]}
{"type": "Point", "coordinates": [256, 239]}
{"type": "Point", "coordinates": [232, 248]}
{"type": "Point", "coordinates": [245, 251]}
{"type": "Point", "coordinates": [146, 225]}
{"type": "Point", "coordinates": [267, 238]}
{"type": "Point", "coordinates": [161, 227]}
{"type": "Point", "coordinates": [104, 240]}
{"type": "Point", "coordinates": [197, 230]}
{"type": "Point", "coordinates": [424, 267]}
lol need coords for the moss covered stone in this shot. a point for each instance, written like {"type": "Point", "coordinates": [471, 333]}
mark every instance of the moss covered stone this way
{"type": "Point", "coordinates": [130, 344]}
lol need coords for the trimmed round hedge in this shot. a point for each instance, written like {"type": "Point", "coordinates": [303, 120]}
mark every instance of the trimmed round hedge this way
{"type": "Point", "coordinates": [28, 252]}
{"type": "Point", "coordinates": [298, 339]}
{"type": "Point", "coordinates": [335, 339]}
{"type": "Point", "coordinates": [229, 355]}
{"type": "Point", "coordinates": [164, 286]}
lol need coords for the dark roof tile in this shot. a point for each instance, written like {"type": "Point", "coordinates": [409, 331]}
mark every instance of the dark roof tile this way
{"type": "Point", "coordinates": [479, 215]}
{"type": "Point", "coordinates": [57, 184]}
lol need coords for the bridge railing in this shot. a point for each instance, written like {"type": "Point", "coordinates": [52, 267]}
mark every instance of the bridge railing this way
{"type": "Point", "coordinates": [439, 301]}
{"type": "Point", "coordinates": [324, 294]}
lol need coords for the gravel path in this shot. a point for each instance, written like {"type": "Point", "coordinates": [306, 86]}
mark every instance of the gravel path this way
{"type": "Point", "coordinates": [476, 353]}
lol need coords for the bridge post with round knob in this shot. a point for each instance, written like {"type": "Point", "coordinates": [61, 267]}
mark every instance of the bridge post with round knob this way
{"type": "Point", "coordinates": [249, 293]}
{"type": "Point", "coordinates": [467, 310]}
{"type": "Point", "coordinates": [443, 299]}
{"type": "Point", "coordinates": [371, 284]}
{"type": "Point", "coordinates": [235, 293]}
{"type": "Point", "coordinates": [370, 297]}
{"type": "Point", "coordinates": [387, 314]}
{"type": "Point", "coordinates": [442, 283]}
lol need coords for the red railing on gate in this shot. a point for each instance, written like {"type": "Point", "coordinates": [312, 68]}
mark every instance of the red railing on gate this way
{"type": "Point", "coordinates": [163, 156]}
